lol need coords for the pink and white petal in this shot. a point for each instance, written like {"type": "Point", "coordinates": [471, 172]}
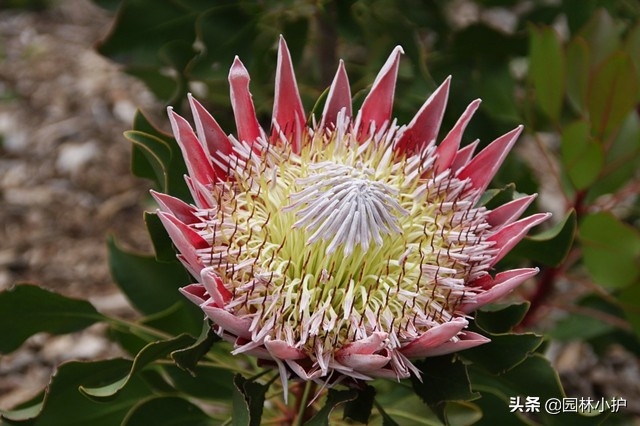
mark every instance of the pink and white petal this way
{"type": "Point", "coordinates": [196, 293]}
{"type": "Point", "coordinates": [463, 156]}
{"type": "Point", "coordinates": [279, 349]}
{"type": "Point", "coordinates": [447, 150]}
{"type": "Point", "coordinates": [365, 363]}
{"type": "Point", "coordinates": [339, 98]}
{"type": "Point", "coordinates": [242, 103]}
{"type": "Point", "coordinates": [466, 340]}
{"type": "Point", "coordinates": [184, 238]}
{"type": "Point", "coordinates": [201, 194]}
{"type": "Point", "coordinates": [197, 160]}
{"type": "Point", "coordinates": [500, 286]}
{"type": "Point", "coordinates": [301, 372]}
{"type": "Point", "coordinates": [288, 112]}
{"type": "Point", "coordinates": [481, 169]}
{"type": "Point", "coordinates": [423, 128]}
{"type": "Point", "coordinates": [507, 237]}
{"type": "Point", "coordinates": [378, 104]}
{"type": "Point", "coordinates": [507, 213]}
{"type": "Point", "coordinates": [178, 208]}
{"type": "Point", "coordinates": [227, 321]}
{"type": "Point", "coordinates": [216, 289]}
{"type": "Point", "coordinates": [433, 337]}
{"type": "Point", "coordinates": [210, 134]}
{"type": "Point", "coordinates": [370, 344]}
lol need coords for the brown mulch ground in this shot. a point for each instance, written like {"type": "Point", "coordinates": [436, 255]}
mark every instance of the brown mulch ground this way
{"type": "Point", "coordinates": [65, 182]}
{"type": "Point", "coordinates": [65, 185]}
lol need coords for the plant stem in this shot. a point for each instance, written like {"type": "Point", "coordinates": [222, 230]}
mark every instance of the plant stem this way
{"type": "Point", "coordinates": [302, 403]}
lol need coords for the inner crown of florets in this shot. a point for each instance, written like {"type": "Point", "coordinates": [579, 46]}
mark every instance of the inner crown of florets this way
{"type": "Point", "coordinates": [343, 239]}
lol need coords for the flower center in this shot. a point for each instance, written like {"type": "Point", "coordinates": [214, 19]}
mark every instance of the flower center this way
{"type": "Point", "coordinates": [343, 203]}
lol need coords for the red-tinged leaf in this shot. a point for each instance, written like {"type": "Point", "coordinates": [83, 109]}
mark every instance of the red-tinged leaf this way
{"type": "Point", "coordinates": [582, 155]}
{"type": "Point", "coordinates": [577, 77]}
{"type": "Point", "coordinates": [612, 94]}
{"type": "Point", "coordinates": [28, 309]}
{"type": "Point", "coordinates": [547, 70]}
{"type": "Point", "coordinates": [632, 47]}
{"type": "Point", "coordinates": [611, 250]}
{"type": "Point", "coordinates": [602, 33]}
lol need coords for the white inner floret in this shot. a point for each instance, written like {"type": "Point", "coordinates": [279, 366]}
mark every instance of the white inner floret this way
{"type": "Point", "coordinates": [330, 245]}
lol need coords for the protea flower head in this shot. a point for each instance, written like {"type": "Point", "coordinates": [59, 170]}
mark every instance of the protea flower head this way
{"type": "Point", "coordinates": [342, 249]}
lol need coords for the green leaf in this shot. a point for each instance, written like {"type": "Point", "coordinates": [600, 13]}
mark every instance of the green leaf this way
{"type": "Point", "coordinates": [505, 351]}
{"type": "Point", "coordinates": [533, 377]}
{"type": "Point", "coordinates": [577, 73]}
{"type": "Point", "coordinates": [547, 70]}
{"type": "Point", "coordinates": [359, 409]}
{"type": "Point", "coordinates": [577, 326]}
{"type": "Point", "coordinates": [167, 411]}
{"type": "Point", "coordinates": [496, 411]}
{"type": "Point", "coordinates": [62, 399]}
{"type": "Point", "coordinates": [162, 245]}
{"type": "Point", "coordinates": [582, 155]}
{"type": "Point", "coordinates": [187, 358]}
{"type": "Point", "coordinates": [150, 285]}
{"type": "Point", "coordinates": [204, 382]}
{"type": "Point", "coordinates": [461, 413]}
{"type": "Point", "coordinates": [622, 160]}
{"type": "Point", "coordinates": [550, 247]}
{"type": "Point", "coordinates": [496, 197]}
{"type": "Point", "coordinates": [153, 145]}
{"type": "Point", "coordinates": [181, 317]}
{"type": "Point", "coordinates": [248, 401]}
{"type": "Point", "coordinates": [611, 250]}
{"type": "Point", "coordinates": [150, 353]}
{"type": "Point", "coordinates": [612, 94]}
{"type": "Point", "coordinates": [602, 34]}
{"type": "Point", "coordinates": [629, 299]}
{"type": "Point", "coordinates": [149, 157]}
{"type": "Point", "coordinates": [632, 47]}
{"type": "Point", "coordinates": [500, 318]}
{"type": "Point", "coordinates": [443, 378]}
{"type": "Point", "coordinates": [29, 309]}
{"type": "Point", "coordinates": [334, 398]}
{"type": "Point", "coordinates": [386, 418]}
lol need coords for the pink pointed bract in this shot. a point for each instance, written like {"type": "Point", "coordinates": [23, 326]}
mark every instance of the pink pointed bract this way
{"type": "Point", "coordinates": [346, 249]}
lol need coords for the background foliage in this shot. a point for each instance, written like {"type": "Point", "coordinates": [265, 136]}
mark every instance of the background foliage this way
{"type": "Point", "coordinates": [569, 70]}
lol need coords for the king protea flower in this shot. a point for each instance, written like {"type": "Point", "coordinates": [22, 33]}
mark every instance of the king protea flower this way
{"type": "Point", "coordinates": [345, 248]}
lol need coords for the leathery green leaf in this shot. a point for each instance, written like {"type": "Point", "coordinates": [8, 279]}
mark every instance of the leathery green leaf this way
{"type": "Point", "coordinates": [334, 398]}
{"type": "Point", "coordinates": [28, 309]}
{"type": "Point", "coordinates": [549, 247]}
{"type": "Point", "coordinates": [150, 353]}
{"type": "Point", "coordinates": [62, 400]}
{"type": "Point", "coordinates": [150, 285]}
{"type": "Point", "coordinates": [444, 378]}
{"type": "Point", "coordinates": [611, 250]}
{"type": "Point", "coordinates": [547, 70]}
{"type": "Point", "coordinates": [582, 155]}
{"type": "Point", "coordinates": [248, 401]}
{"type": "Point", "coordinates": [167, 411]}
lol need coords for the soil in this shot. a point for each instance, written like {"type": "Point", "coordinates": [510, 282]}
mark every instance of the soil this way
{"type": "Point", "coordinates": [65, 181]}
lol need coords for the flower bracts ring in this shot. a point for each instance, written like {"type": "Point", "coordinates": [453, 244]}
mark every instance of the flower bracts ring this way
{"type": "Point", "coordinates": [345, 248]}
